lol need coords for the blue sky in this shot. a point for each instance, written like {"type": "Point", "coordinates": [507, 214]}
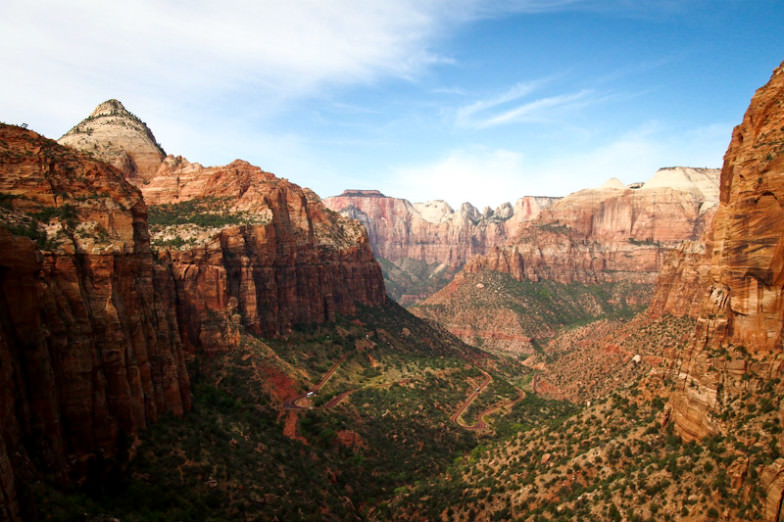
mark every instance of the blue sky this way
{"type": "Point", "coordinates": [457, 100]}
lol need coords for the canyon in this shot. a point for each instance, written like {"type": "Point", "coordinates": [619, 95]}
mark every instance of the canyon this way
{"type": "Point", "coordinates": [422, 245]}
{"type": "Point", "coordinates": [601, 248]}
{"type": "Point", "coordinates": [187, 342]}
{"type": "Point", "coordinates": [98, 321]}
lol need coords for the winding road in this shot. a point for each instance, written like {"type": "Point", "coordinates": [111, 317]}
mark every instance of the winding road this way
{"type": "Point", "coordinates": [292, 403]}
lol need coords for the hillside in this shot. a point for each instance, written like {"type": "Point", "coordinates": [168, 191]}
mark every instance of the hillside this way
{"type": "Point", "coordinates": [101, 317]}
{"type": "Point", "coordinates": [218, 346]}
{"type": "Point", "coordinates": [595, 253]}
{"type": "Point", "coordinates": [219, 322]}
{"type": "Point", "coordinates": [690, 430]}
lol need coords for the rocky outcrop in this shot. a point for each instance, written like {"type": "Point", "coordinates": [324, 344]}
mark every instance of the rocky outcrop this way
{"type": "Point", "coordinates": [96, 321]}
{"type": "Point", "coordinates": [114, 135]}
{"type": "Point", "coordinates": [254, 251]}
{"type": "Point", "coordinates": [613, 233]}
{"type": "Point", "coordinates": [89, 351]}
{"type": "Point", "coordinates": [741, 306]}
{"type": "Point", "coordinates": [605, 245]}
{"type": "Point", "coordinates": [426, 241]}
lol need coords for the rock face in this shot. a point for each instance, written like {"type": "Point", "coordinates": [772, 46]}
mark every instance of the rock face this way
{"type": "Point", "coordinates": [606, 245]}
{"type": "Point", "coordinates": [96, 320]}
{"type": "Point", "coordinates": [422, 241]}
{"type": "Point", "coordinates": [741, 272]}
{"type": "Point", "coordinates": [243, 247]}
{"type": "Point", "coordinates": [613, 233]}
{"type": "Point", "coordinates": [269, 257]}
{"type": "Point", "coordinates": [89, 351]}
{"type": "Point", "coordinates": [114, 135]}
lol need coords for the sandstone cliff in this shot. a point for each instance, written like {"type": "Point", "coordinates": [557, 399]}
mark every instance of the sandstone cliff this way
{"type": "Point", "coordinates": [244, 248]}
{"type": "Point", "coordinates": [114, 135]}
{"type": "Point", "coordinates": [603, 246]}
{"type": "Point", "coordinates": [736, 354]}
{"type": "Point", "coordinates": [96, 320]}
{"type": "Point", "coordinates": [247, 248]}
{"type": "Point", "coordinates": [611, 233]}
{"type": "Point", "coordinates": [421, 245]}
{"type": "Point", "coordinates": [742, 268]}
{"type": "Point", "coordinates": [89, 351]}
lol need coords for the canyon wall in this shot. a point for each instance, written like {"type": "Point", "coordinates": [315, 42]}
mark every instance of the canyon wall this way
{"type": "Point", "coordinates": [741, 272]}
{"type": "Point", "coordinates": [89, 351]}
{"type": "Point", "coordinates": [426, 242]}
{"type": "Point", "coordinates": [611, 233]}
{"type": "Point", "coordinates": [247, 248]}
{"type": "Point", "coordinates": [598, 249]}
{"type": "Point", "coordinates": [104, 296]}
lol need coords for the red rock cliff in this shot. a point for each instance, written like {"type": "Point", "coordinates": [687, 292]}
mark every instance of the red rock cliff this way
{"type": "Point", "coordinates": [242, 247]}
{"type": "Point", "coordinates": [423, 244]}
{"type": "Point", "coordinates": [280, 257]}
{"type": "Point", "coordinates": [613, 233]}
{"type": "Point", "coordinates": [741, 305]}
{"type": "Point", "coordinates": [88, 350]}
{"type": "Point", "coordinates": [432, 232]}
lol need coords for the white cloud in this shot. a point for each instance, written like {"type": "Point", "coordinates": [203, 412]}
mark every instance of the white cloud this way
{"type": "Point", "coordinates": [60, 58]}
{"type": "Point", "coordinates": [480, 175]}
{"type": "Point", "coordinates": [488, 177]}
{"type": "Point", "coordinates": [512, 106]}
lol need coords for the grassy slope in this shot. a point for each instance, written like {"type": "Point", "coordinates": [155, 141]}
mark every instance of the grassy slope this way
{"type": "Point", "coordinates": [229, 459]}
{"type": "Point", "coordinates": [616, 459]}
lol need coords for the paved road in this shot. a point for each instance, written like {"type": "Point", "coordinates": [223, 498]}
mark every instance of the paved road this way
{"type": "Point", "coordinates": [457, 416]}
{"type": "Point", "coordinates": [291, 404]}
{"type": "Point", "coordinates": [480, 423]}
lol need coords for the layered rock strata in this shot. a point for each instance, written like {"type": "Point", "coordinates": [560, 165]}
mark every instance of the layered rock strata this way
{"type": "Point", "coordinates": [426, 241]}
{"type": "Point", "coordinates": [114, 135]}
{"type": "Point", "coordinates": [742, 269]}
{"type": "Point", "coordinates": [89, 351]}
{"type": "Point", "coordinates": [609, 234]}
{"type": "Point", "coordinates": [243, 247]}
{"type": "Point", "coordinates": [96, 320]}
{"type": "Point", "coordinates": [247, 248]}
{"type": "Point", "coordinates": [738, 345]}
{"type": "Point", "coordinates": [613, 239]}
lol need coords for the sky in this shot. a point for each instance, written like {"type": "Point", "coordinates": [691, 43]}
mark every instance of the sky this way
{"type": "Point", "coordinates": [463, 100]}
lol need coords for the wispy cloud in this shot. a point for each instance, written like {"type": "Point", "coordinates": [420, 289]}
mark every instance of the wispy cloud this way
{"type": "Point", "coordinates": [199, 53]}
{"type": "Point", "coordinates": [515, 106]}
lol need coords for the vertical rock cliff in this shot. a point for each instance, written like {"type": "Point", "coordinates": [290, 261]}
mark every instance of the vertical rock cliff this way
{"type": "Point", "coordinates": [611, 233]}
{"type": "Point", "coordinates": [598, 250]}
{"type": "Point", "coordinates": [242, 247]}
{"type": "Point", "coordinates": [89, 352]}
{"type": "Point", "coordinates": [247, 248]}
{"type": "Point", "coordinates": [423, 244]}
{"type": "Point", "coordinates": [743, 266]}
{"type": "Point", "coordinates": [99, 305]}
{"type": "Point", "coordinates": [737, 351]}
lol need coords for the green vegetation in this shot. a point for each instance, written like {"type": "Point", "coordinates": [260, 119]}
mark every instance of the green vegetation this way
{"type": "Point", "coordinates": [204, 212]}
{"type": "Point", "coordinates": [413, 277]}
{"type": "Point", "coordinates": [230, 459]}
{"type": "Point", "coordinates": [541, 308]}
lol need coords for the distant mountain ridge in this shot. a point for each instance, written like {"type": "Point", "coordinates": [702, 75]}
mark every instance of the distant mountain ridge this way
{"type": "Point", "coordinates": [611, 235]}
{"type": "Point", "coordinates": [421, 245]}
